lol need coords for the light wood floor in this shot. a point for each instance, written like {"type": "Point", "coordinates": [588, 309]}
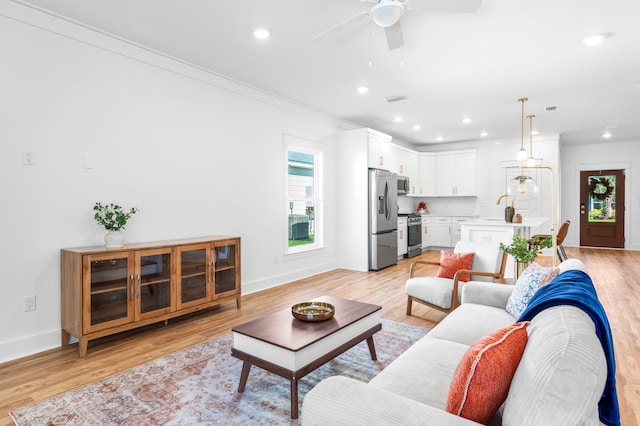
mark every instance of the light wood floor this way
{"type": "Point", "coordinates": [614, 272]}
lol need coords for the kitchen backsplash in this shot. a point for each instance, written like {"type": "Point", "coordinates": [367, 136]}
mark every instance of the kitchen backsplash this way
{"type": "Point", "coordinates": [446, 206]}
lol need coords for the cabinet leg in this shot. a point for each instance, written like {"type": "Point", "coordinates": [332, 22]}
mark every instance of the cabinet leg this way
{"type": "Point", "coordinates": [238, 302]}
{"type": "Point", "coordinates": [83, 342]}
{"type": "Point", "coordinates": [65, 338]}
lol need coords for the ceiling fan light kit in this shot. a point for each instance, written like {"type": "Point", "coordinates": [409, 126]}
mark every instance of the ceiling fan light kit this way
{"type": "Point", "coordinates": [386, 13]}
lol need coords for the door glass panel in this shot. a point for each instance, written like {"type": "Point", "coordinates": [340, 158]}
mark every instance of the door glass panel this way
{"type": "Point", "coordinates": [155, 282]}
{"type": "Point", "coordinates": [602, 196]}
{"type": "Point", "coordinates": [109, 290]}
{"type": "Point", "coordinates": [193, 275]}
{"type": "Point", "coordinates": [225, 268]}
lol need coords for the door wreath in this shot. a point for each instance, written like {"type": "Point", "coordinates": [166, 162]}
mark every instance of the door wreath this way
{"type": "Point", "coordinates": [600, 188]}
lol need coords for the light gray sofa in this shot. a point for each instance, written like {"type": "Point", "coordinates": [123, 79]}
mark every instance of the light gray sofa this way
{"type": "Point", "coordinates": [559, 380]}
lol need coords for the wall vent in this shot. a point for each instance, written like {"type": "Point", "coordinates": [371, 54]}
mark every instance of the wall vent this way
{"type": "Point", "coordinates": [551, 108]}
{"type": "Point", "coordinates": [395, 98]}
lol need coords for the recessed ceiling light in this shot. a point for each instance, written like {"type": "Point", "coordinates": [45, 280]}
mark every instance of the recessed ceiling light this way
{"type": "Point", "coordinates": [416, 127]}
{"type": "Point", "coordinates": [484, 134]}
{"type": "Point", "coordinates": [261, 33]}
{"type": "Point", "coordinates": [439, 138]}
{"type": "Point", "coordinates": [596, 39]}
{"type": "Point", "coordinates": [363, 89]}
{"type": "Point", "coordinates": [606, 134]}
{"type": "Point", "coordinates": [398, 119]}
{"type": "Point", "coordinates": [534, 132]}
{"type": "Point", "coordinates": [466, 120]}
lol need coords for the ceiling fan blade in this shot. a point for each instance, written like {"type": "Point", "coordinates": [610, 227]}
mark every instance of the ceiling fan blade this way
{"type": "Point", "coordinates": [394, 36]}
{"type": "Point", "coordinates": [455, 6]}
{"type": "Point", "coordinates": [341, 23]}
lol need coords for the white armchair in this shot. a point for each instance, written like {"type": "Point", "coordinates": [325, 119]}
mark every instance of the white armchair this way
{"type": "Point", "coordinates": [444, 294]}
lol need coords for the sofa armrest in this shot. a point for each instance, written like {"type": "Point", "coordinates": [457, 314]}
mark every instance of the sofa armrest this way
{"type": "Point", "coordinates": [484, 293]}
{"type": "Point", "coordinates": [341, 400]}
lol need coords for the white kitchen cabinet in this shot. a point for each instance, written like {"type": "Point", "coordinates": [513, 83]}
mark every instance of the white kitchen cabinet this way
{"type": "Point", "coordinates": [455, 174]}
{"type": "Point", "coordinates": [379, 150]}
{"type": "Point", "coordinates": [413, 171]}
{"type": "Point", "coordinates": [427, 175]}
{"type": "Point", "coordinates": [441, 236]}
{"type": "Point", "coordinates": [426, 232]}
{"type": "Point", "coordinates": [456, 228]}
{"type": "Point", "coordinates": [402, 237]}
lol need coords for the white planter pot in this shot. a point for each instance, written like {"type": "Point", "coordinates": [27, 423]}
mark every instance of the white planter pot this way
{"type": "Point", "coordinates": [114, 239]}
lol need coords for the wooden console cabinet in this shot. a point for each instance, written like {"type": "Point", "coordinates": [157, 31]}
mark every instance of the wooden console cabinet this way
{"type": "Point", "coordinates": [106, 291]}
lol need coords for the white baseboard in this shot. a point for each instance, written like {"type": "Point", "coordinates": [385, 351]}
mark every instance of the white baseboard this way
{"type": "Point", "coordinates": [276, 280]}
{"type": "Point", "coordinates": [29, 345]}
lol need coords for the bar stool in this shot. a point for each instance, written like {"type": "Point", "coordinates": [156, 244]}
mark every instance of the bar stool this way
{"type": "Point", "coordinates": [562, 234]}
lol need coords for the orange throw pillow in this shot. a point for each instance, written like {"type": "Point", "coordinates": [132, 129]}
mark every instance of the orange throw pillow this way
{"type": "Point", "coordinates": [483, 377]}
{"type": "Point", "coordinates": [450, 263]}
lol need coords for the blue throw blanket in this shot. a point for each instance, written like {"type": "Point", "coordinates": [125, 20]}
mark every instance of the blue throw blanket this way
{"type": "Point", "coordinates": [575, 288]}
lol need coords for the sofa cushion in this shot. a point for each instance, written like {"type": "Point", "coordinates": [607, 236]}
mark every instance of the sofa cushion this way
{"type": "Point", "coordinates": [470, 322]}
{"type": "Point", "coordinates": [482, 379]}
{"type": "Point", "coordinates": [450, 263]}
{"type": "Point", "coordinates": [531, 279]}
{"type": "Point", "coordinates": [562, 372]}
{"type": "Point", "coordinates": [423, 372]}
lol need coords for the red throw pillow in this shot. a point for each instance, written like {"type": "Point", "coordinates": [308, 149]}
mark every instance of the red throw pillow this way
{"type": "Point", "coordinates": [483, 377]}
{"type": "Point", "coordinates": [450, 263]}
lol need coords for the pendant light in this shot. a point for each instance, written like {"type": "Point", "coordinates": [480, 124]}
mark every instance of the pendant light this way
{"type": "Point", "coordinates": [531, 161]}
{"type": "Point", "coordinates": [522, 153]}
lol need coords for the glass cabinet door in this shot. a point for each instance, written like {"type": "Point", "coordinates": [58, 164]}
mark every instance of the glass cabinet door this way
{"type": "Point", "coordinates": [108, 287]}
{"type": "Point", "coordinates": [225, 268]}
{"type": "Point", "coordinates": [153, 282]}
{"type": "Point", "coordinates": [193, 275]}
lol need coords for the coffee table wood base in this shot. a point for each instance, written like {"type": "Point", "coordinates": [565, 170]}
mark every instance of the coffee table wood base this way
{"type": "Point", "coordinates": [294, 376]}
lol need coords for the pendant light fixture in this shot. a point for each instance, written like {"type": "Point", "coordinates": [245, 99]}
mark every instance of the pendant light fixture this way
{"type": "Point", "coordinates": [522, 153]}
{"type": "Point", "coordinates": [531, 161]}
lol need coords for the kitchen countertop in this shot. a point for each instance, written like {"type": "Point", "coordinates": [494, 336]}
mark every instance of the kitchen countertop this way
{"type": "Point", "coordinates": [527, 222]}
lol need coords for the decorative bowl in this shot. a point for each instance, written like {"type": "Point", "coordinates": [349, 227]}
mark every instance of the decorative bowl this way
{"type": "Point", "coordinates": [313, 311]}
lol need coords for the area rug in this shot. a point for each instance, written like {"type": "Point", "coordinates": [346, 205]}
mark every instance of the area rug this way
{"type": "Point", "coordinates": [198, 386]}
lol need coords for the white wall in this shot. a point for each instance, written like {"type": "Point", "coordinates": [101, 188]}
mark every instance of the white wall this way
{"type": "Point", "coordinates": [197, 154]}
{"type": "Point", "coordinates": [607, 155]}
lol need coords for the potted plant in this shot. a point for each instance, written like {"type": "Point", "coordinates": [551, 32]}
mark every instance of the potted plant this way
{"type": "Point", "coordinates": [113, 218]}
{"type": "Point", "coordinates": [524, 252]}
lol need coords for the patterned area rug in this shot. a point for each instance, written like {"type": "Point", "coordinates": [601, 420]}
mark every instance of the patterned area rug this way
{"type": "Point", "coordinates": [198, 386]}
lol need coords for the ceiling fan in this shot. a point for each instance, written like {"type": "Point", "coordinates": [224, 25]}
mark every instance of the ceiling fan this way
{"type": "Point", "coordinates": [387, 13]}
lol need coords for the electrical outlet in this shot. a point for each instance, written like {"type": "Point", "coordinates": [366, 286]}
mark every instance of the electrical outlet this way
{"type": "Point", "coordinates": [29, 157]}
{"type": "Point", "coordinates": [29, 303]}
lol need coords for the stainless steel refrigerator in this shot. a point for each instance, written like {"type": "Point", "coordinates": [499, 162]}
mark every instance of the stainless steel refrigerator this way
{"type": "Point", "coordinates": [383, 219]}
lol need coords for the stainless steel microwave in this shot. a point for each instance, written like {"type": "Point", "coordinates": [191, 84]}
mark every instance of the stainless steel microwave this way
{"type": "Point", "coordinates": [403, 185]}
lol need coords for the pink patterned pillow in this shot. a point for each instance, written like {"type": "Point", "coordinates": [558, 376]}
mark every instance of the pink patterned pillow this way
{"type": "Point", "coordinates": [534, 277]}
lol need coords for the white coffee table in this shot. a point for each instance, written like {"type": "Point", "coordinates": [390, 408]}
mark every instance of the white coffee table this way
{"type": "Point", "coordinates": [291, 348]}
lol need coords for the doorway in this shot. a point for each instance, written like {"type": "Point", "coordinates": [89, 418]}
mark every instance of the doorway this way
{"type": "Point", "coordinates": [602, 208]}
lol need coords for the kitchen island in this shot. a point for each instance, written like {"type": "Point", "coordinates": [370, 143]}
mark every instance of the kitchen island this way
{"type": "Point", "coordinates": [496, 230]}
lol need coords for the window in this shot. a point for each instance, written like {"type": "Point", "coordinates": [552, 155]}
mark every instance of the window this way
{"type": "Point", "coordinates": [304, 165]}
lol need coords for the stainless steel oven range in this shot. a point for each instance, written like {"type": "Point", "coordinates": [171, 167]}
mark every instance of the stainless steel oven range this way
{"type": "Point", "coordinates": [414, 234]}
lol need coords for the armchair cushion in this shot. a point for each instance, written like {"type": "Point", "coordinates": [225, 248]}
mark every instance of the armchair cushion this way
{"type": "Point", "coordinates": [450, 263]}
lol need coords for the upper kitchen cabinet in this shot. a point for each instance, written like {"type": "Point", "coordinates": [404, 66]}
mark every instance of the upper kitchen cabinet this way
{"type": "Point", "coordinates": [379, 148]}
{"type": "Point", "coordinates": [455, 174]}
{"type": "Point", "coordinates": [426, 186]}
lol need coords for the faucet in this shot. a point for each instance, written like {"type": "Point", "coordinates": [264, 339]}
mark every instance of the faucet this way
{"type": "Point", "coordinates": [500, 198]}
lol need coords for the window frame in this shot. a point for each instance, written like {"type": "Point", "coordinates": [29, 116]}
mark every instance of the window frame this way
{"type": "Point", "coordinates": [305, 146]}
